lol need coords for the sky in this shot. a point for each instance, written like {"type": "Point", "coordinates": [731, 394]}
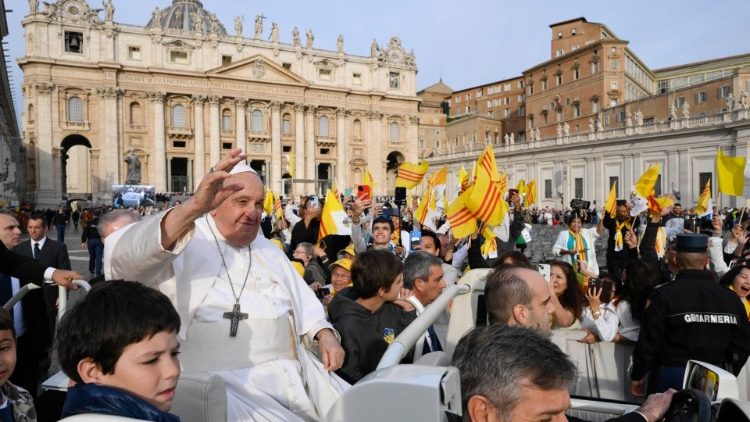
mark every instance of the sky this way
{"type": "Point", "coordinates": [466, 43]}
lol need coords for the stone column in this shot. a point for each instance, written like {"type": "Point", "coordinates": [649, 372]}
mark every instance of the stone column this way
{"type": "Point", "coordinates": [275, 163]}
{"type": "Point", "coordinates": [158, 176]}
{"type": "Point", "coordinates": [310, 148]}
{"type": "Point", "coordinates": [215, 130]}
{"type": "Point", "coordinates": [112, 157]}
{"type": "Point", "coordinates": [375, 161]}
{"type": "Point", "coordinates": [240, 127]}
{"type": "Point", "coordinates": [411, 138]}
{"type": "Point", "coordinates": [199, 140]}
{"type": "Point", "coordinates": [299, 146]}
{"type": "Point", "coordinates": [47, 187]}
{"type": "Point", "coordinates": [341, 164]}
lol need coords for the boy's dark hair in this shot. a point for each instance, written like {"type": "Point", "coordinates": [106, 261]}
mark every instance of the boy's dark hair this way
{"type": "Point", "coordinates": [375, 269]}
{"type": "Point", "coordinates": [6, 321]}
{"type": "Point", "coordinates": [110, 317]}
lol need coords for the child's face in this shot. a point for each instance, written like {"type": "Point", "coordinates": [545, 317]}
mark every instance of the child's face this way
{"type": "Point", "coordinates": [148, 369]}
{"type": "Point", "coordinates": [7, 355]}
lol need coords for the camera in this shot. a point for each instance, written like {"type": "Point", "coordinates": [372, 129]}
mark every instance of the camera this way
{"type": "Point", "coordinates": [322, 292]}
{"type": "Point", "coordinates": [579, 204]}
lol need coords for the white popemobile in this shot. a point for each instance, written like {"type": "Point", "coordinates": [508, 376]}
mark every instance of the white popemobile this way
{"type": "Point", "coordinates": [430, 390]}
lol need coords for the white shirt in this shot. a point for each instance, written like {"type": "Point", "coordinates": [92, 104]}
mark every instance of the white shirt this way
{"type": "Point", "coordinates": [41, 243]}
{"type": "Point", "coordinates": [613, 320]}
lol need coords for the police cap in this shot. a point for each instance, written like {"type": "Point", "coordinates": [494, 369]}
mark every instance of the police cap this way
{"type": "Point", "coordinates": [692, 242]}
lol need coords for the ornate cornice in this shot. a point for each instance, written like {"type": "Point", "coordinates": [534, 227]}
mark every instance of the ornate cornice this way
{"type": "Point", "coordinates": [214, 100]}
{"type": "Point", "coordinates": [199, 99]}
{"type": "Point", "coordinates": [156, 96]}
{"type": "Point", "coordinates": [109, 92]}
{"type": "Point", "coordinates": [44, 88]}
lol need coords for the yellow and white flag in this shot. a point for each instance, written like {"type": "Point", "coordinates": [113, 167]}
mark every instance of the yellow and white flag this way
{"type": "Point", "coordinates": [333, 218]}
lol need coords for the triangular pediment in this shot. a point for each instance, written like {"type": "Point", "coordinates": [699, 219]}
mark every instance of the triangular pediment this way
{"type": "Point", "coordinates": [258, 68]}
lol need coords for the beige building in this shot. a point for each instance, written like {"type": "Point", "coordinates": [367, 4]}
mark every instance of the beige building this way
{"type": "Point", "coordinates": [180, 91]}
{"type": "Point", "coordinates": [12, 175]}
{"type": "Point", "coordinates": [595, 114]}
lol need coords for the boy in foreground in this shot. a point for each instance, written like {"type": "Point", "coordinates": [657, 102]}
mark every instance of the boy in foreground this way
{"type": "Point", "coordinates": [17, 404]}
{"type": "Point", "coordinates": [119, 345]}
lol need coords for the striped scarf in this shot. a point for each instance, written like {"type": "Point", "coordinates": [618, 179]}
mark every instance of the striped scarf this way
{"type": "Point", "coordinates": [618, 233]}
{"type": "Point", "coordinates": [577, 242]}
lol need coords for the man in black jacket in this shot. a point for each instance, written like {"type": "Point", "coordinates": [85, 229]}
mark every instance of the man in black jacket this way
{"type": "Point", "coordinates": [691, 317]}
{"type": "Point", "coordinates": [618, 227]}
{"type": "Point", "coordinates": [511, 373]}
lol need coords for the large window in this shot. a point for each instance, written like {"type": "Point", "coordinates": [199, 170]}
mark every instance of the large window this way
{"type": "Point", "coordinates": [75, 109]}
{"type": "Point", "coordinates": [178, 116]}
{"type": "Point", "coordinates": [395, 132]}
{"type": "Point", "coordinates": [357, 129]}
{"type": "Point", "coordinates": [578, 182]}
{"type": "Point", "coordinates": [226, 121]}
{"type": "Point", "coordinates": [257, 125]}
{"type": "Point", "coordinates": [286, 125]}
{"type": "Point", "coordinates": [547, 188]}
{"type": "Point", "coordinates": [701, 97]}
{"type": "Point", "coordinates": [323, 127]}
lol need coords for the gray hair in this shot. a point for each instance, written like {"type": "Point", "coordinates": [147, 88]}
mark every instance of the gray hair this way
{"type": "Point", "coordinates": [417, 265]}
{"type": "Point", "coordinates": [505, 288]}
{"type": "Point", "coordinates": [106, 220]}
{"type": "Point", "coordinates": [497, 361]}
{"type": "Point", "coordinates": [307, 247]}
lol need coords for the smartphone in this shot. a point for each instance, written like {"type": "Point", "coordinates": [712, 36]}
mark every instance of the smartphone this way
{"type": "Point", "coordinates": [605, 285]}
{"type": "Point", "coordinates": [510, 194]}
{"type": "Point", "coordinates": [544, 269]}
{"type": "Point", "coordinates": [313, 201]}
{"type": "Point", "coordinates": [363, 192]}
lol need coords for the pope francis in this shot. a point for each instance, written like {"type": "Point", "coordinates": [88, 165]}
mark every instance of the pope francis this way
{"type": "Point", "coordinates": [245, 312]}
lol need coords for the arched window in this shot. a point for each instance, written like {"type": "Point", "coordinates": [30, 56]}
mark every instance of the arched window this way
{"type": "Point", "coordinates": [323, 127]}
{"type": "Point", "coordinates": [257, 121]}
{"type": "Point", "coordinates": [178, 116]}
{"type": "Point", "coordinates": [286, 125]}
{"type": "Point", "coordinates": [357, 127]}
{"type": "Point", "coordinates": [395, 132]}
{"type": "Point", "coordinates": [135, 114]}
{"type": "Point", "coordinates": [75, 109]}
{"type": "Point", "coordinates": [226, 120]}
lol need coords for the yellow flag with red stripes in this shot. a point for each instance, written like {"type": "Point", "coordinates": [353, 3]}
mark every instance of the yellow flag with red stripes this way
{"type": "Point", "coordinates": [268, 202]}
{"type": "Point", "coordinates": [369, 181]}
{"type": "Point", "coordinates": [484, 198]}
{"type": "Point", "coordinates": [704, 201]}
{"type": "Point", "coordinates": [462, 221]}
{"type": "Point", "coordinates": [611, 205]}
{"type": "Point", "coordinates": [530, 194]}
{"type": "Point", "coordinates": [410, 174]}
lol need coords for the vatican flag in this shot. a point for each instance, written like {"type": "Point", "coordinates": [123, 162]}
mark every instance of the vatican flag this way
{"type": "Point", "coordinates": [410, 174]}
{"type": "Point", "coordinates": [268, 202]}
{"type": "Point", "coordinates": [290, 160]}
{"type": "Point", "coordinates": [704, 206]}
{"type": "Point", "coordinates": [333, 218]}
{"type": "Point", "coordinates": [611, 205]}
{"type": "Point", "coordinates": [731, 174]}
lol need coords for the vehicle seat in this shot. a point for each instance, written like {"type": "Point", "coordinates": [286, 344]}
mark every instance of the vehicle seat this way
{"type": "Point", "coordinates": [200, 397]}
{"type": "Point", "coordinates": [434, 359]}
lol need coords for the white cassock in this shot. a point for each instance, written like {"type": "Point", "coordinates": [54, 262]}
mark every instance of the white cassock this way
{"type": "Point", "coordinates": [259, 365]}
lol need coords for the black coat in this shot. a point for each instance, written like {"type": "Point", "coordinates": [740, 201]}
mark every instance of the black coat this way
{"type": "Point", "coordinates": [692, 317]}
{"type": "Point", "coordinates": [20, 267]}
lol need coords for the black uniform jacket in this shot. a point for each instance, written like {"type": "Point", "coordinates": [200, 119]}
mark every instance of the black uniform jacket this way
{"type": "Point", "coordinates": [692, 318]}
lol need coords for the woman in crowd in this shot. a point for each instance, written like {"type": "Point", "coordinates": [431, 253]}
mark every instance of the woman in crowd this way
{"type": "Point", "coordinates": [567, 298]}
{"type": "Point", "coordinates": [738, 280]}
{"type": "Point", "coordinates": [577, 244]}
{"type": "Point", "coordinates": [618, 320]}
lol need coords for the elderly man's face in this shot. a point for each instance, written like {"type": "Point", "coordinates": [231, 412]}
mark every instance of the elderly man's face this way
{"type": "Point", "coordinates": [238, 217]}
{"type": "Point", "coordinates": [10, 232]}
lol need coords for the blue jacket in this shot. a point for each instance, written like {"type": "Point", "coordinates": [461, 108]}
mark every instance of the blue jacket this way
{"type": "Point", "coordinates": [98, 399]}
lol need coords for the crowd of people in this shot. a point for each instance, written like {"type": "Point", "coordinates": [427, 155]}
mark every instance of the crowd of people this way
{"type": "Point", "coordinates": [267, 304]}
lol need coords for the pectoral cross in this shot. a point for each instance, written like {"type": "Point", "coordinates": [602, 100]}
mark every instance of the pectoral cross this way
{"type": "Point", "coordinates": [235, 316]}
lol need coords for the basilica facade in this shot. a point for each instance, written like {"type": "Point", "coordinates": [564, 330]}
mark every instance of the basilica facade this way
{"type": "Point", "coordinates": [109, 103]}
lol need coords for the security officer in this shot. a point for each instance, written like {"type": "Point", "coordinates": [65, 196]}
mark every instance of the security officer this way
{"type": "Point", "coordinates": [691, 317]}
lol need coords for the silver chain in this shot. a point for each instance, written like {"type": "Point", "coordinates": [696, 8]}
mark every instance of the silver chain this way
{"type": "Point", "coordinates": [226, 269]}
